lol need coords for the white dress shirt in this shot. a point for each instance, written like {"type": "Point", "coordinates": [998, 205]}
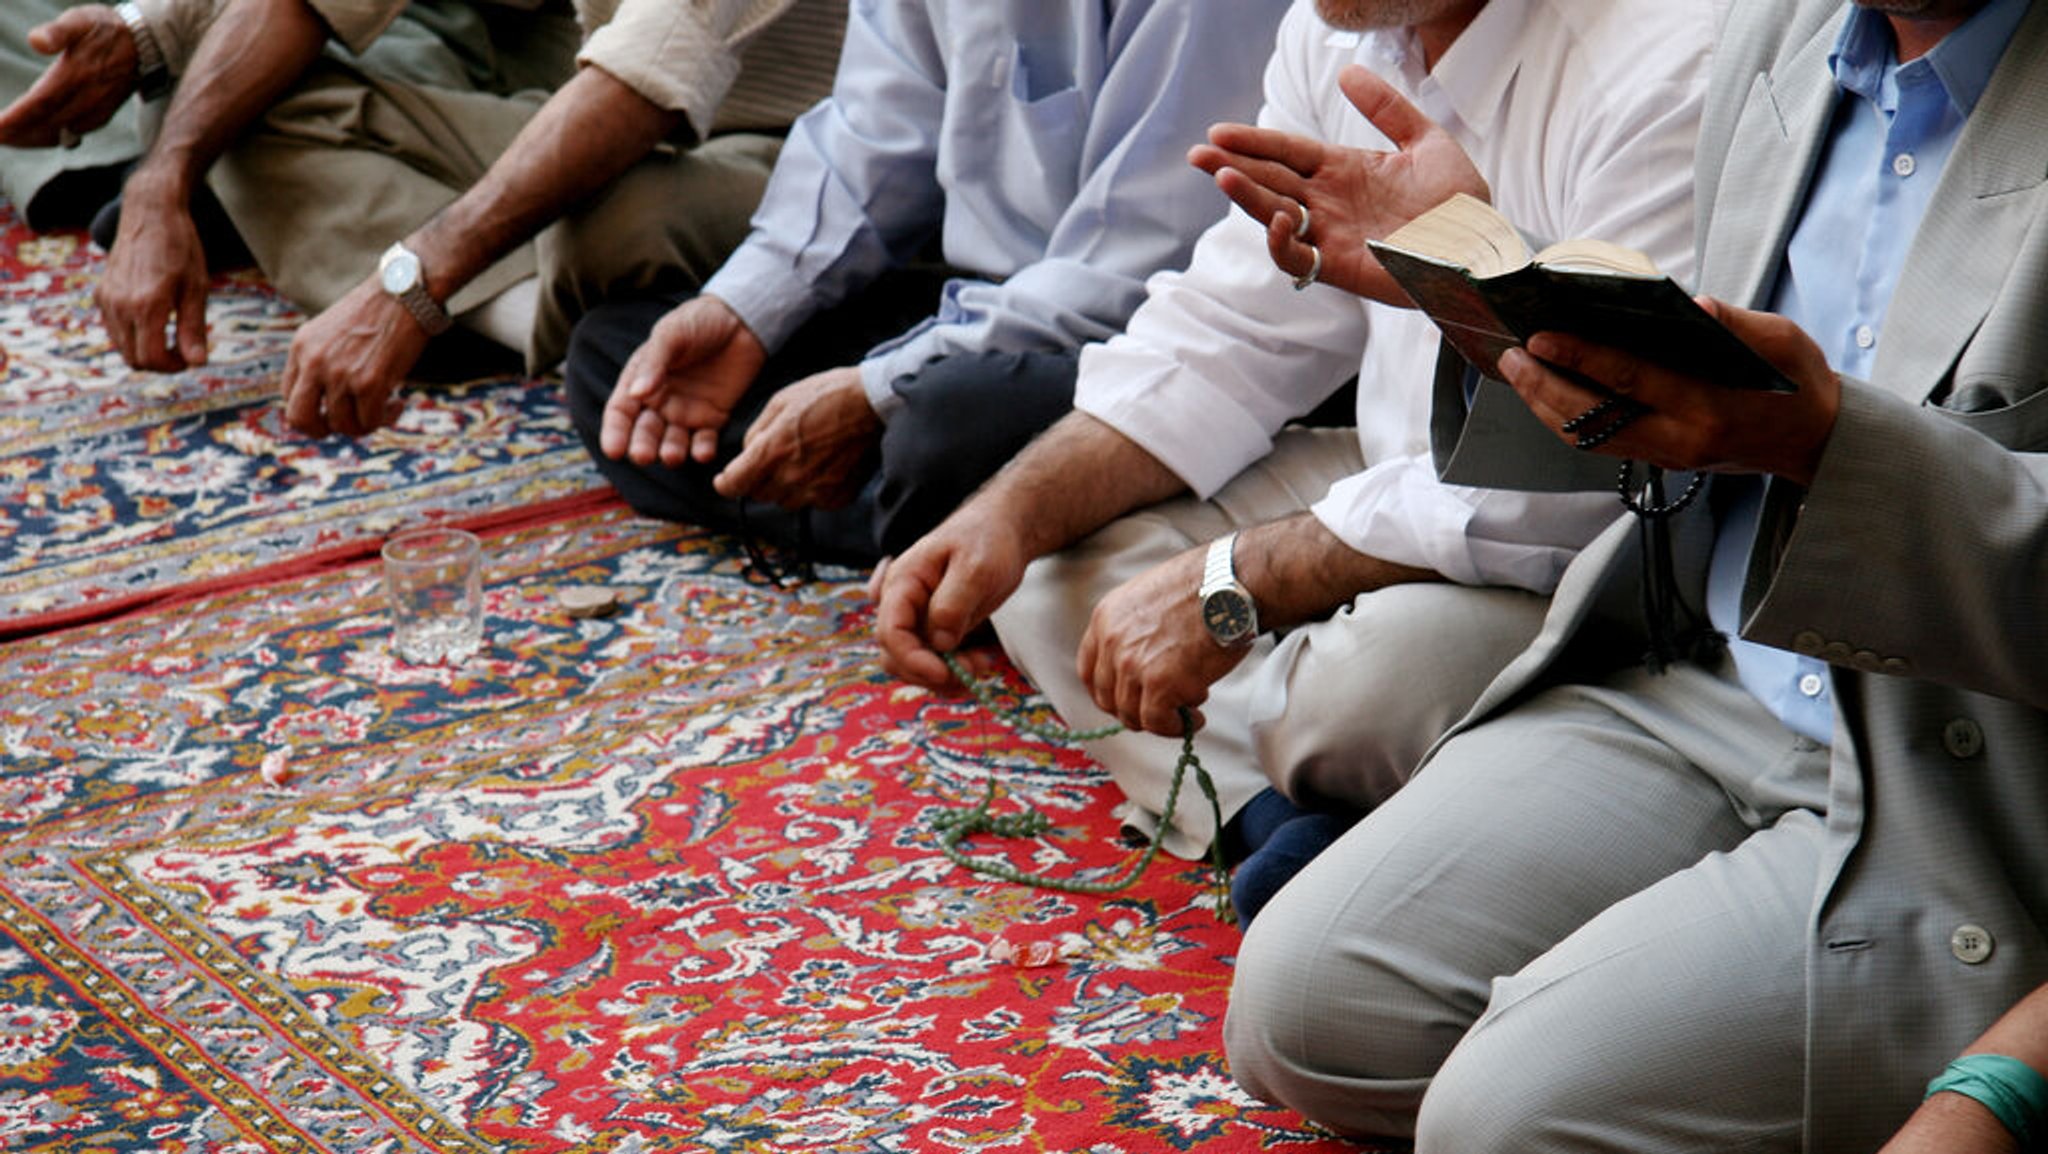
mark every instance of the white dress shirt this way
{"type": "Point", "coordinates": [1042, 141]}
{"type": "Point", "coordinates": [1581, 116]}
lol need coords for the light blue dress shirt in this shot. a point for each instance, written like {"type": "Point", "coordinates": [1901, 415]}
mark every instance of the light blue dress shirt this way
{"type": "Point", "coordinates": [1043, 141]}
{"type": "Point", "coordinates": [1892, 134]}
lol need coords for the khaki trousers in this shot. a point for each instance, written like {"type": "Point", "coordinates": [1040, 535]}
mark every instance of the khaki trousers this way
{"type": "Point", "coordinates": [1335, 713]}
{"type": "Point", "coordinates": [365, 150]}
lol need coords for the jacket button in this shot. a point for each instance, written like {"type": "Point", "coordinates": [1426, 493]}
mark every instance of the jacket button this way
{"type": "Point", "coordinates": [1808, 642]}
{"type": "Point", "coordinates": [1971, 944]}
{"type": "Point", "coordinates": [1962, 738]}
{"type": "Point", "coordinates": [1866, 661]}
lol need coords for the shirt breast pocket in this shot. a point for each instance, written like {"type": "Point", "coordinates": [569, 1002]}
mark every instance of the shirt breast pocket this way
{"type": "Point", "coordinates": [1043, 128]}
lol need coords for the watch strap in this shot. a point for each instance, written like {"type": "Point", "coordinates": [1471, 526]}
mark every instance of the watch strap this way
{"type": "Point", "coordinates": [152, 73]}
{"type": "Point", "coordinates": [416, 299]}
{"type": "Point", "coordinates": [1219, 567]}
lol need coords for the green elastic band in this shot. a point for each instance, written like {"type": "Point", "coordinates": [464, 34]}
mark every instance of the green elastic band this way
{"type": "Point", "coordinates": [2014, 1092]}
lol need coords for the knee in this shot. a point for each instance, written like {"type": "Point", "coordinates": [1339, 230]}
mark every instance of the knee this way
{"type": "Point", "coordinates": [1338, 1034]}
{"type": "Point", "coordinates": [589, 373]}
{"type": "Point", "coordinates": [1496, 1096]}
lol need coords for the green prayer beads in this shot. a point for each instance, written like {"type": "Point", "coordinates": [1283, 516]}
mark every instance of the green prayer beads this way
{"type": "Point", "coordinates": [955, 826]}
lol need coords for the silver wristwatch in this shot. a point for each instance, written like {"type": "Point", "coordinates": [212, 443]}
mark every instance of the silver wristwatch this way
{"type": "Point", "coordinates": [152, 74]}
{"type": "Point", "coordinates": [1227, 608]}
{"type": "Point", "coordinates": [399, 273]}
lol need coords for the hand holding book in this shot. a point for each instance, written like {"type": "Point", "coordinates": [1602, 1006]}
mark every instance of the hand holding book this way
{"type": "Point", "coordinates": [1686, 421]}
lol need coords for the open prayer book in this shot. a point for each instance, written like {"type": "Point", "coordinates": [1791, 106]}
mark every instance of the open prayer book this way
{"type": "Point", "coordinates": [1466, 266]}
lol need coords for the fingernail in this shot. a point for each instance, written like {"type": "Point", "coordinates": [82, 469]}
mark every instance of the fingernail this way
{"type": "Point", "coordinates": [944, 641]}
{"type": "Point", "coordinates": [1514, 361]}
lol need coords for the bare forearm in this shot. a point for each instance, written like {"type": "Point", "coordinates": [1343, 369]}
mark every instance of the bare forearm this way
{"type": "Point", "coordinates": [1947, 1123]}
{"type": "Point", "coordinates": [254, 52]}
{"type": "Point", "coordinates": [588, 133]}
{"type": "Point", "coordinates": [1078, 476]}
{"type": "Point", "coordinates": [1297, 571]}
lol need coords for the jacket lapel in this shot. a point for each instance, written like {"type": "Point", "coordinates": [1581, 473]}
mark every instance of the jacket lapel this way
{"type": "Point", "coordinates": [1980, 209]}
{"type": "Point", "coordinates": [1774, 148]}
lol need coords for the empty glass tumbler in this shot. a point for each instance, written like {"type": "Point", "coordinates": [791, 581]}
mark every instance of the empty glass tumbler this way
{"type": "Point", "coordinates": [434, 580]}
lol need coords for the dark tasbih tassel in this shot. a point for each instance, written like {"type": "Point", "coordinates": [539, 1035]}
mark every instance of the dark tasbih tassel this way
{"type": "Point", "coordinates": [1677, 632]}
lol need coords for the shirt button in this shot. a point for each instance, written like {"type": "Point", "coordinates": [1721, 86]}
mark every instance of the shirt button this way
{"type": "Point", "coordinates": [1811, 685]}
{"type": "Point", "coordinates": [1865, 336]}
{"type": "Point", "coordinates": [1971, 944]}
{"type": "Point", "coordinates": [1903, 164]}
{"type": "Point", "coordinates": [1962, 738]}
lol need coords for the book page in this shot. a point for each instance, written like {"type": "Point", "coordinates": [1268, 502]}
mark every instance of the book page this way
{"type": "Point", "coordinates": [1589, 255]}
{"type": "Point", "coordinates": [1467, 232]}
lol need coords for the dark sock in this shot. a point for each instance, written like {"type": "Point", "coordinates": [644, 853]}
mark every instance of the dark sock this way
{"type": "Point", "coordinates": [1291, 847]}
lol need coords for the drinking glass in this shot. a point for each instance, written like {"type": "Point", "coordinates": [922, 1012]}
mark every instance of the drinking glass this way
{"type": "Point", "coordinates": [434, 580]}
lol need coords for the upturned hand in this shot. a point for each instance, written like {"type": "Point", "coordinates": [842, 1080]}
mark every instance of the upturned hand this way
{"type": "Point", "coordinates": [80, 90]}
{"type": "Point", "coordinates": [1351, 195]}
{"type": "Point", "coordinates": [679, 387]}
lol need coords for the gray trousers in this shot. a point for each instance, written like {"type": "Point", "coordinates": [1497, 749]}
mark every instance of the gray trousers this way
{"type": "Point", "coordinates": [1582, 925]}
{"type": "Point", "coordinates": [1335, 713]}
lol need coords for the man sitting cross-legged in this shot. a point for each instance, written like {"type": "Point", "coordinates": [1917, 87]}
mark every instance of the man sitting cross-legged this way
{"type": "Point", "coordinates": [837, 387]}
{"type": "Point", "coordinates": [1396, 598]}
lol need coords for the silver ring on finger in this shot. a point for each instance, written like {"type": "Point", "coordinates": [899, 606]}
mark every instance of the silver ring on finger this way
{"type": "Point", "coordinates": [1301, 229]}
{"type": "Point", "coordinates": [1315, 269]}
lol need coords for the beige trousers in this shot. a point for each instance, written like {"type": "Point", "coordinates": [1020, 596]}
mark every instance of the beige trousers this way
{"type": "Point", "coordinates": [1334, 712]}
{"type": "Point", "coordinates": [357, 156]}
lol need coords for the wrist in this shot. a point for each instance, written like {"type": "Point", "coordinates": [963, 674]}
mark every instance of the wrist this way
{"type": "Point", "coordinates": [2012, 1092]}
{"type": "Point", "coordinates": [1228, 610]}
{"type": "Point", "coordinates": [152, 71]}
{"type": "Point", "coordinates": [403, 278]}
{"type": "Point", "coordinates": [159, 184]}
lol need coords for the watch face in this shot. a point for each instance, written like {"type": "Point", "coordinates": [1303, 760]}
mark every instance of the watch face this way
{"type": "Point", "coordinates": [1229, 616]}
{"type": "Point", "coordinates": [400, 273]}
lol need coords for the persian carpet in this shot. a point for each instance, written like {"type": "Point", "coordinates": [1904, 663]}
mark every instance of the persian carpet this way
{"type": "Point", "coordinates": [659, 881]}
{"type": "Point", "coordinates": [118, 488]}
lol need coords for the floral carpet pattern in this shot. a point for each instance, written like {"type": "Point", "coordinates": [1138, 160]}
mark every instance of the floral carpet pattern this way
{"type": "Point", "coordinates": [658, 881]}
{"type": "Point", "coordinates": [118, 487]}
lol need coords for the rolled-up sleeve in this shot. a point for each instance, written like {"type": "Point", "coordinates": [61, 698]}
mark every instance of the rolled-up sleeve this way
{"type": "Point", "coordinates": [1220, 356]}
{"type": "Point", "coordinates": [177, 26]}
{"type": "Point", "coordinates": [682, 57]}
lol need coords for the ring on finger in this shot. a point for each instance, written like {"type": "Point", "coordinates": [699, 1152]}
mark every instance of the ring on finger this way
{"type": "Point", "coordinates": [1315, 269]}
{"type": "Point", "coordinates": [1301, 227]}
